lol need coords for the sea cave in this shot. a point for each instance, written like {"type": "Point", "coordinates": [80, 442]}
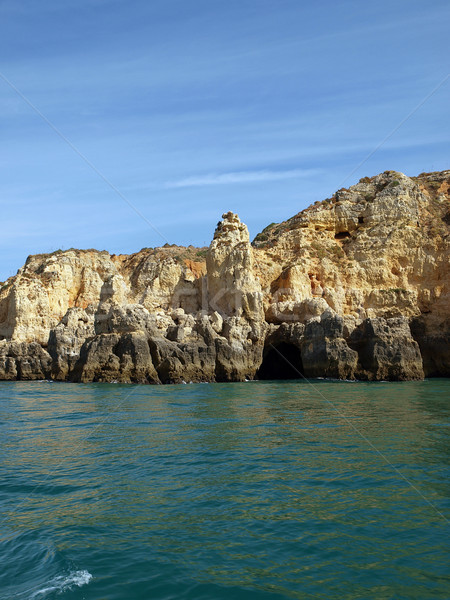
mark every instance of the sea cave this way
{"type": "Point", "coordinates": [283, 361]}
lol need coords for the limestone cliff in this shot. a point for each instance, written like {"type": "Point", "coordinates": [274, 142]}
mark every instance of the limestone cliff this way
{"type": "Point", "coordinates": [356, 286]}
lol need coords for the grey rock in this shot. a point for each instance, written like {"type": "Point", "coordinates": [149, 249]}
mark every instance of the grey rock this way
{"type": "Point", "coordinates": [325, 352]}
{"type": "Point", "coordinates": [434, 347]}
{"type": "Point", "coordinates": [19, 360]}
{"type": "Point", "coordinates": [116, 357]}
{"type": "Point", "coordinates": [386, 350]}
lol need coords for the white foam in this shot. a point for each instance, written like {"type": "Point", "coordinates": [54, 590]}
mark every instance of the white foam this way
{"type": "Point", "coordinates": [61, 583]}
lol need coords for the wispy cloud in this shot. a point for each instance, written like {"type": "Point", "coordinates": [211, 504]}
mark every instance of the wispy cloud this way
{"type": "Point", "coordinates": [239, 177]}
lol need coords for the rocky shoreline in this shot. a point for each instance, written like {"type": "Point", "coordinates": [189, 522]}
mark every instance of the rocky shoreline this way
{"type": "Point", "coordinates": [354, 287]}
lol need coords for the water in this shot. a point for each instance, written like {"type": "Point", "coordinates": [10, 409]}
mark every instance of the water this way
{"type": "Point", "coordinates": [259, 490]}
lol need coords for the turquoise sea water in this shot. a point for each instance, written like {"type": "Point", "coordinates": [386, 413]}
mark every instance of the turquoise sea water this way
{"type": "Point", "coordinates": [258, 490]}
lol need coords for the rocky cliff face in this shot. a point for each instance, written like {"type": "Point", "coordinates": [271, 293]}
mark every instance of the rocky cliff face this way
{"type": "Point", "coordinates": [356, 286]}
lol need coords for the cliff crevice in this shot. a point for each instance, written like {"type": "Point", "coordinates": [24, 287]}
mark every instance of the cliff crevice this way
{"type": "Point", "coordinates": [353, 287]}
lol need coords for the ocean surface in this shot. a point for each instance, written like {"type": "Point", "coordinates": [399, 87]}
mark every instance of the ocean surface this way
{"type": "Point", "coordinates": [257, 490]}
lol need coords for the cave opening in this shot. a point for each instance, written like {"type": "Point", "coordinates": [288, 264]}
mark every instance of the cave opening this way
{"type": "Point", "coordinates": [342, 235]}
{"type": "Point", "coordinates": [283, 361]}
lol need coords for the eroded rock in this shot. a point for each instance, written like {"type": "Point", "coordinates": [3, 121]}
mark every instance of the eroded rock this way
{"type": "Point", "coordinates": [356, 286]}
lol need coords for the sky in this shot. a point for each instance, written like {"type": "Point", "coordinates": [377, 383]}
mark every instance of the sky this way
{"type": "Point", "coordinates": [129, 124]}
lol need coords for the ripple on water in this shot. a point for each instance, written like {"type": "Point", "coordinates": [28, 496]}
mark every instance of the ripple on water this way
{"type": "Point", "coordinates": [32, 568]}
{"type": "Point", "coordinates": [249, 492]}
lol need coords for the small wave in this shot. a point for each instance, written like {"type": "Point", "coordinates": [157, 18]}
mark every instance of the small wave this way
{"type": "Point", "coordinates": [62, 583]}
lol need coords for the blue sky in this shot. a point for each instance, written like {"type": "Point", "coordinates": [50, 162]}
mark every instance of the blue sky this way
{"type": "Point", "coordinates": [194, 107]}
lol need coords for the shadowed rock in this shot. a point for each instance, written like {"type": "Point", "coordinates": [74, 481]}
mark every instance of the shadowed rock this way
{"type": "Point", "coordinates": [356, 286]}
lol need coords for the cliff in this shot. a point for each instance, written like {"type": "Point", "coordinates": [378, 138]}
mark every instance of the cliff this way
{"type": "Point", "coordinates": [354, 287]}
